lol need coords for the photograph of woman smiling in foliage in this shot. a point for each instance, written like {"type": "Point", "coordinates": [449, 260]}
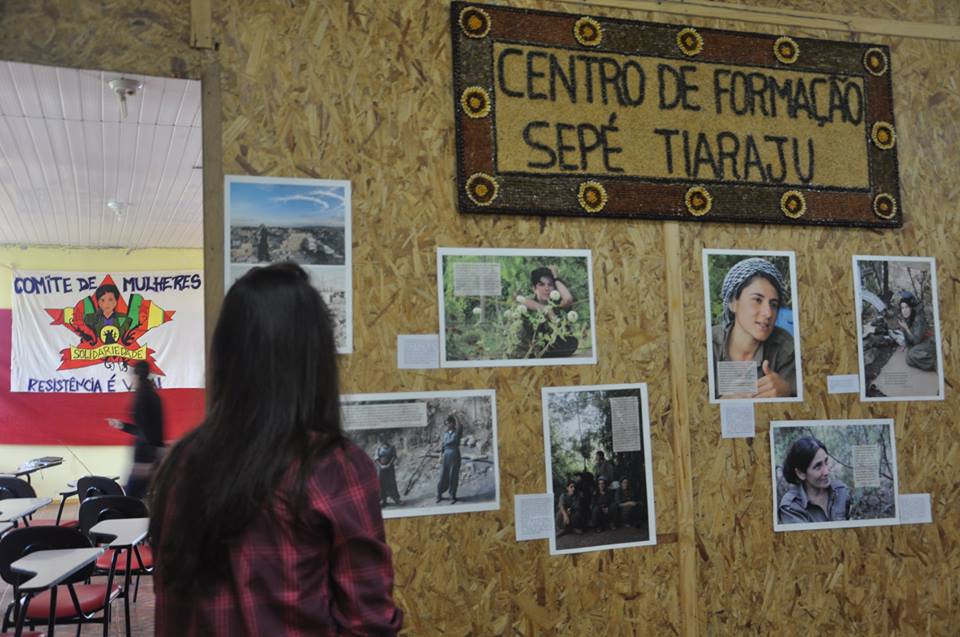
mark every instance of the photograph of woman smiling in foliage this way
{"type": "Point", "coordinates": [543, 333]}
{"type": "Point", "coordinates": [509, 307]}
{"type": "Point", "coordinates": [752, 322]}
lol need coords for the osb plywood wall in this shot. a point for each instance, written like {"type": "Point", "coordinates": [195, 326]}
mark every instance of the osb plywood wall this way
{"type": "Point", "coordinates": [362, 91]}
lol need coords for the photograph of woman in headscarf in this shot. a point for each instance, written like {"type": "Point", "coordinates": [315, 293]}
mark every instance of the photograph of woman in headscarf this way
{"type": "Point", "coordinates": [753, 343]}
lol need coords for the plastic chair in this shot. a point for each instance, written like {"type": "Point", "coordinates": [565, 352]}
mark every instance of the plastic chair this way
{"type": "Point", "coordinates": [95, 485]}
{"type": "Point", "coordinates": [12, 487]}
{"type": "Point", "coordinates": [118, 507]}
{"type": "Point", "coordinates": [76, 603]}
{"type": "Point", "coordinates": [92, 486]}
{"type": "Point", "coordinates": [110, 507]}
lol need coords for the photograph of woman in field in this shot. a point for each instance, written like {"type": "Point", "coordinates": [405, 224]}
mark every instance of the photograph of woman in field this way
{"type": "Point", "coordinates": [515, 307]}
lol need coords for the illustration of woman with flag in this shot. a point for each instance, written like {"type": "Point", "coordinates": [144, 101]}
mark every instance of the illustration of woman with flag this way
{"type": "Point", "coordinates": [105, 325]}
{"type": "Point", "coordinates": [109, 328]}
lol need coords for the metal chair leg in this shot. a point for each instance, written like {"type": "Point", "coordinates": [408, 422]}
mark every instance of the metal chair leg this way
{"type": "Point", "coordinates": [63, 500]}
{"type": "Point", "coordinates": [106, 620]}
{"type": "Point", "coordinates": [20, 611]}
{"type": "Point", "coordinates": [53, 611]}
{"type": "Point", "coordinates": [126, 590]}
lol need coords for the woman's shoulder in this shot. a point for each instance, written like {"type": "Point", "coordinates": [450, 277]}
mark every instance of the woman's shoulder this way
{"type": "Point", "coordinates": [153, 397]}
{"type": "Point", "coordinates": [781, 338]}
{"type": "Point", "coordinates": [718, 335]}
{"type": "Point", "coordinates": [344, 460]}
{"type": "Point", "coordinates": [342, 483]}
{"type": "Point", "coordinates": [838, 486]}
{"type": "Point", "coordinates": [352, 453]}
{"type": "Point", "coordinates": [791, 497]}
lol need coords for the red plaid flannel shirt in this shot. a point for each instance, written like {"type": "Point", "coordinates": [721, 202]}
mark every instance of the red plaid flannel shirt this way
{"type": "Point", "coordinates": [332, 575]}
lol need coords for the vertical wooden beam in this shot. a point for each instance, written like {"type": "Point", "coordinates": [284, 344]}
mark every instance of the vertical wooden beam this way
{"type": "Point", "coordinates": [201, 32]}
{"type": "Point", "coordinates": [213, 259]}
{"type": "Point", "coordinates": [686, 534]}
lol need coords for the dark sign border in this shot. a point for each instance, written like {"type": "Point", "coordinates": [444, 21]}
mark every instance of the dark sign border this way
{"type": "Point", "coordinates": [482, 189]}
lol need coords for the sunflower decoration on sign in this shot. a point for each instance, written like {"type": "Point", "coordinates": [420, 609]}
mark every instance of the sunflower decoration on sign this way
{"type": "Point", "coordinates": [698, 201]}
{"type": "Point", "coordinates": [690, 41]}
{"type": "Point", "coordinates": [475, 102]}
{"type": "Point", "coordinates": [786, 50]}
{"type": "Point", "coordinates": [875, 61]}
{"type": "Point", "coordinates": [592, 196]}
{"type": "Point", "coordinates": [793, 204]}
{"type": "Point", "coordinates": [475, 22]}
{"type": "Point", "coordinates": [482, 189]}
{"type": "Point", "coordinates": [588, 32]}
{"type": "Point", "coordinates": [884, 206]}
{"type": "Point", "coordinates": [883, 135]}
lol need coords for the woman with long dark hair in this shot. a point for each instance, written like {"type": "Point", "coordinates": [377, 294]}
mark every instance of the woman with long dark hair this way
{"type": "Point", "coordinates": [147, 427]}
{"type": "Point", "coordinates": [266, 519]}
{"type": "Point", "coordinates": [814, 496]}
{"type": "Point", "coordinates": [921, 347]}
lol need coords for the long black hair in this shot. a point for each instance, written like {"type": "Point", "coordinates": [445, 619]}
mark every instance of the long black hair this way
{"type": "Point", "coordinates": [147, 408]}
{"type": "Point", "coordinates": [273, 403]}
{"type": "Point", "coordinates": [799, 457]}
{"type": "Point", "coordinates": [141, 370]}
{"type": "Point", "coordinates": [913, 303]}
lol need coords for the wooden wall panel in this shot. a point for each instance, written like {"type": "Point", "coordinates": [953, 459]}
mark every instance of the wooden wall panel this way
{"type": "Point", "coordinates": [881, 580]}
{"type": "Point", "coordinates": [361, 91]}
{"type": "Point", "coordinates": [110, 35]}
{"type": "Point", "coordinates": [938, 11]}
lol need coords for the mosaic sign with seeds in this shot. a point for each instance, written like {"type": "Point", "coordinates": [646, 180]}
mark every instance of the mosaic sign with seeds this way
{"type": "Point", "coordinates": [575, 115]}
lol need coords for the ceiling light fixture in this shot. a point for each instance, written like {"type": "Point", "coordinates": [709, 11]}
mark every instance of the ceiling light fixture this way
{"type": "Point", "coordinates": [117, 206]}
{"type": "Point", "coordinates": [124, 88]}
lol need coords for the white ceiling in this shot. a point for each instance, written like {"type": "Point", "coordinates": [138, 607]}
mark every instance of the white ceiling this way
{"type": "Point", "coordinates": [65, 152]}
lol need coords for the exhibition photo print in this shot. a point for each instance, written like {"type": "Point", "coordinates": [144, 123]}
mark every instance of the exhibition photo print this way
{"type": "Point", "coordinates": [597, 452]}
{"type": "Point", "coordinates": [833, 474]}
{"type": "Point", "coordinates": [435, 452]}
{"type": "Point", "coordinates": [515, 307]}
{"type": "Point", "coordinates": [304, 221]}
{"type": "Point", "coordinates": [753, 326]}
{"type": "Point", "coordinates": [898, 328]}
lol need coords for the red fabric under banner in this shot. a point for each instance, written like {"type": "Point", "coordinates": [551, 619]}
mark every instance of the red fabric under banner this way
{"type": "Point", "coordinates": [78, 419]}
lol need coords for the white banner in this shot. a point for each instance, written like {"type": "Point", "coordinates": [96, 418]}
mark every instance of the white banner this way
{"type": "Point", "coordinates": [79, 332]}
